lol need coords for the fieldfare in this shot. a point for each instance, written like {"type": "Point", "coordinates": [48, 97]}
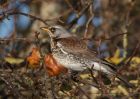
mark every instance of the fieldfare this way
{"type": "Point", "coordinates": [73, 53]}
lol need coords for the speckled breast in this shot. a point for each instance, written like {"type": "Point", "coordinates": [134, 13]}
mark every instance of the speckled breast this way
{"type": "Point", "coordinates": [70, 61]}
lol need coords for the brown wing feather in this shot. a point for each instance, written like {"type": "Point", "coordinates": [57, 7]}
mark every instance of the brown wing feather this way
{"type": "Point", "coordinates": [76, 46]}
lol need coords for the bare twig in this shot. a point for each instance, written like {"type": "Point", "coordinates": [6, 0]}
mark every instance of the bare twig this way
{"type": "Point", "coordinates": [82, 90]}
{"type": "Point", "coordinates": [6, 14]}
{"type": "Point", "coordinates": [9, 84]}
{"type": "Point", "coordinates": [16, 39]}
{"type": "Point", "coordinates": [89, 20]}
{"type": "Point", "coordinates": [52, 88]}
{"type": "Point", "coordinates": [70, 5]}
{"type": "Point", "coordinates": [87, 83]}
{"type": "Point", "coordinates": [104, 39]}
{"type": "Point", "coordinates": [115, 36]}
{"type": "Point", "coordinates": [129, 60]}
{"type": "Point", "coordinates": [80, 14]}
{"type": "Point", "coordinates": [91, 72]}
{"type": "Point", "coordinates": [102, 86]}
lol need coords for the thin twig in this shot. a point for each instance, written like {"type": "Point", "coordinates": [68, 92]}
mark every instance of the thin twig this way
{"type": "Point", "coordinates": [9, 84]}
{"type": "Point", "coordinates": [111, 38]}
{"type": "Point", "coordinates": [82, 90]}
{"type": "Point", "coordinates": [129, 60]}
{"type": "Point", "coordinates": [103, 88]}
{"type": "Point", "coordinates": [87, 83]}
{"type": "Point", "coordinates": [80, 14]}
{"type": "Point", "coordinates": [91, 72]}
{"type": "Point", "coordinates": [52, 88]}
{"type": "Point", "coordinates": [6, 14]}
{"type": "Point", "coordinates": [16, 39]}
{"type": "Point", "coordinates": [70, 5]}
{"type": "Point", "coordinates": [89, 20]}
{"type": "Point", "coordinates": [115, 36]}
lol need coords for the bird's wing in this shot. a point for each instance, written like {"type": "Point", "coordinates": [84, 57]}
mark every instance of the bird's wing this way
{"type": "Point", "coordinates": [75, 46]}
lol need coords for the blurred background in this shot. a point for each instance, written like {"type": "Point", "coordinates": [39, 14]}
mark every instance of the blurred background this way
{"type": "Point", "coordinates": [111, 25]}
{"type": "Point", "coordinates": [99, 18]}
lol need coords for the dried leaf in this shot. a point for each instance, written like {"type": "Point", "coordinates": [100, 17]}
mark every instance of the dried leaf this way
{"type": "Point", "coordinates": [53, 68]}
{"type": "Point", "coordinates": [34, 58]}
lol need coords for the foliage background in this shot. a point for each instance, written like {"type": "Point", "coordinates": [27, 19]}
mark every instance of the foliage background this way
{"type": "Point", "coordinates": [112, 25]}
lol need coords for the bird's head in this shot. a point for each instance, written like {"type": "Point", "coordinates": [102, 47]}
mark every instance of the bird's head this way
{"type": "Point", "coordinates": [56, 31]}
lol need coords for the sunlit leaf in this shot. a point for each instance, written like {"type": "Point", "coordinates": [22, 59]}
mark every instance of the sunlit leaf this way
{"type": "Point", "coordinates": [134, 62]}
{"type": "Point", "coordinates": [136, 82]}
{"type": "Point", "coordinates": [84, 76]}
{"type": "Point", "coordinates": [123, 90]}
{"type": "Point", "coordinates": [13, 60]}
{"type": "Point", "coordinates": [116, 59]}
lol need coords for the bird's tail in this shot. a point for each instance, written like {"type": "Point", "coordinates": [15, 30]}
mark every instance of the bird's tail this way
{"type": "Point", "coordinates": [112, 71]}
{"type": "Point", "coordinates": [125, 81]}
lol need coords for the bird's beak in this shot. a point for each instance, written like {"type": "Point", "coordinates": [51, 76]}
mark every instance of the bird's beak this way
{"type": "Point", "coordinates": [47, 30]}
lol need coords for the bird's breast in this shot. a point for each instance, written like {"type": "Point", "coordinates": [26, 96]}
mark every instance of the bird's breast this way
{"type": "Point", "coordinates": [70, 61]}
{"type": "Point", "coordinates": [74, 62]}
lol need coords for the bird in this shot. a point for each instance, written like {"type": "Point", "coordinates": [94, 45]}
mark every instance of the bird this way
{"type": "Point", "coordinates": [73, 53]}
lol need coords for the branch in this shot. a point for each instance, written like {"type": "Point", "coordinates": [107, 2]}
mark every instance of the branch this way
{"type": "Point", "coordinates": [129, 60]}
{"type": "Point", "coordinates": [80, 14]}
{"type": "Point", "coordinates": [16, 39]}
{"type": "Point", "coordinates": [88, 22]}
{"type": "Point", "coordinates": [6, 14]}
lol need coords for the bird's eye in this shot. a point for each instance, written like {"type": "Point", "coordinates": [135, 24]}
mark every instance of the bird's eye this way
{"type": "Point", "coordinates": [52, 29]}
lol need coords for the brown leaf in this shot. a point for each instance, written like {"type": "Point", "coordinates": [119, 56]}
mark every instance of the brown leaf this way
{"type": "Point", "coordinates": [34, 58]}
{"type": "Point", "coordinates": [53, 68]}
